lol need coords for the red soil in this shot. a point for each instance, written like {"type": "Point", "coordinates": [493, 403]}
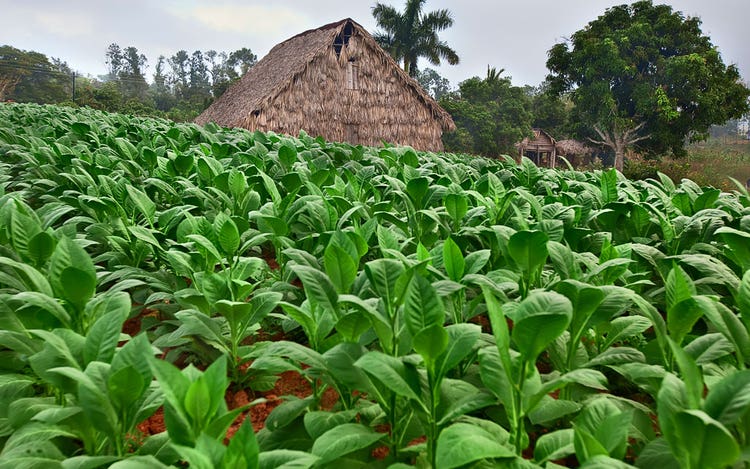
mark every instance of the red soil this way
{"type": "Point", "coordinates": [290, 383]}
{"type": "Point", "coordinates": [133, 326]}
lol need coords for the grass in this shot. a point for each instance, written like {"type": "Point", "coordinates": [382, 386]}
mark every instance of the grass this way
{"type": "Point", "coordinates": [709, 163]}
{"type": "Point", "coordinates": [718, 159]}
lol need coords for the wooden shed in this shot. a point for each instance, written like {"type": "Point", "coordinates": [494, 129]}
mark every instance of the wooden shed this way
{"type": "Point", "coordinates": [541, 149]}
{"type": "Point", "coordinates": [337, 82]}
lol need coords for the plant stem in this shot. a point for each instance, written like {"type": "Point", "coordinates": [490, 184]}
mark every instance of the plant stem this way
{"type": "Point", "coordinates": [432, 424]}
{"type": "Point", "coordinates": [518, 428]}
{"type": "Point", "coordinates": [392, 421]}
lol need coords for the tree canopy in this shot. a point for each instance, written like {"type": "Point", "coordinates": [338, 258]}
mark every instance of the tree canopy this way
{"type": "Point", "coordinates": [491, 115]}
{"type": "Point", "coordinates": [28, 76]}
{"type": "Point", "coordinates": [644, 74]}
{"type": "Point", "coordinates": [413, 34]}
{"type": "Point", "coordinates": [433, 83]}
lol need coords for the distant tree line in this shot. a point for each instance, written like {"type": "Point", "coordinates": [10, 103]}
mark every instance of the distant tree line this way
{"type": "Point", "coordinates": [492, 115]}
{"type": "Point", "coordinates": [640, 77]}
{"type": "Point", "coordinates": [181, 85]}
{"type": "Point", "coordinates": [32, 76]}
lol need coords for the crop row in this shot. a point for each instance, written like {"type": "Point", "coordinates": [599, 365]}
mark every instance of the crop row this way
{"type": "Point", "coordinates": [461, 311]}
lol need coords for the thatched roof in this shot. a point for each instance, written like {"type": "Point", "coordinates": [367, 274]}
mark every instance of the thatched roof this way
{"type": "Point", "coordinates": [573, 147]}
{"type": "Point", "coordinates": [284, 65]}
{"type": "Point", "coordinates": [541, 139]}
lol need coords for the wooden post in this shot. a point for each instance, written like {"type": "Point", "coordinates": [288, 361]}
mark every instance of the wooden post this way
{"type": "Point", "coordinates": [553, 161]}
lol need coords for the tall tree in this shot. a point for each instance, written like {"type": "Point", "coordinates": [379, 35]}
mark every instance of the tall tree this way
{"type": "Point", "coordinates": [160, 92]}
{"type": "Point", "coordinates": [200, 88]}
{"type": "Point", "coordinates": [242, 59]}
{"type": "Point", "coordinates": [132, 74]}
{"type": "Point", "coordinates": [646, 75]}
{"type": "Point", "coordinates": [413, 34]}
{"type": "Point", "coordinates": [114, 60]}
{"type": "Point", "coordinates": [550, 111]}
{"type": "Point", "coordinates": [29, 76]}
{"type": "Point", "coordinates": [432, 82]}
{"type": "Point", "coordinates": [179, 78]}
{"type": "Point", "coordinates": [491, 115]}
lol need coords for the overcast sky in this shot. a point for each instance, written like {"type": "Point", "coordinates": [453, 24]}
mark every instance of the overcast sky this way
{"type": "Point", "coordinates": [510, 34]}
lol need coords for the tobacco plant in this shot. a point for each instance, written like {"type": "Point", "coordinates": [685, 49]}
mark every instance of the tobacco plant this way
{"type": "Point", "coordinates": [614, 313]}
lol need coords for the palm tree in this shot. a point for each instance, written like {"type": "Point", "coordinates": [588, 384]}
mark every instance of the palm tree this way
{"type": "Point", "coordinates": [410, 35]}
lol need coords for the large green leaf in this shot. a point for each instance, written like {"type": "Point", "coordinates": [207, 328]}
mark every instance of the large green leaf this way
{"type": "Point", "coordinates": [143, 203]}
{"type": "Point", "coordinates": [739, 245]}
{"type": "Point", "coordinates": [704, 442]}
{"type": "Point", "coordinates": [422, 307]}
{"type": "Point", "coordinates": [342, 440]}
{"type": "Point", "coordinates": [585, 299]}
{"type": "Point", "coordinates": [319, 422]}
{"type": "Point", "coordinates": [242, 451]}
{"type": "Point", "coordinates": [456, 206]}
{"type": "Point", "coordinates": [690, 373]}
{"type": "Point", "coordinates": [498, 379]}
{"type": "Point", "coordinates": [679, 287]}
{"type": "Point", "coordinates": [453, 260]}
{"type": "Point", "coordinates": [417, 189]}
{"type": "Point", "coordinates": [555, 445]}
{"type": "Point", "coordinates": [72, 273]}
{"type": "Point", "coordinates": [743, 299]}
{"type": "Point", "coordinates": [540, 319]}
{"type": "Point", "coordinates": [318, 287]}
{"type": "Point", "coordinates": [228, 235]}
{"type": "Point", "coordinates": [104, 335]}
{"type": "Point", "coordinates": [603, 421]}
{"type": "Point", "coordinates": [40, 247]}
{"type": "Point", "coordinates": [391, 372]}
{"type": "Point", "coordinates": [528, 249]}
{"type": "Point", "coordinates": [286, 459]}
{"type": "Point", "coordinates": [430, 343]}
{"type": "Point", "coordinates": [383, 275]}
{"type": "Point", "coordinates": [461, 341]}
{"type": "Point", "coordinates": [341, 267]}
{"type": "Point", "coordinates": [608, 184]}
{"type": "Point", "coordinates": [729, 399]}
{"type": "Point", "coordinates": [463, 443]}
{"type": "Point", "coordinates": [125, 386]}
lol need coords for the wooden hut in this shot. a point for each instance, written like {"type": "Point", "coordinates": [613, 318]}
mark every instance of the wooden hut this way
{"type": "Point", "coordinates": [541, 149]}
{"type": "Point", "coordinates": [337, 82]}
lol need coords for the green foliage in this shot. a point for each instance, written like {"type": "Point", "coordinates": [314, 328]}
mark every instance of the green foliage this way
{"type": "Point", "coordinates": [645, 72]}
{"type": "Point", "coordinates": [491, 116]}
{"type": "Point", "coordinates": [618, 310]}
{"type": "Point", "coordinates": [28, 76]}
{"type": "Point", "coordinates": [413, 34]}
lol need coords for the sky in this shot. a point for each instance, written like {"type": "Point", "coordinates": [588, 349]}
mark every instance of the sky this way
{"type": "Point", "coordinates": [513, 35]}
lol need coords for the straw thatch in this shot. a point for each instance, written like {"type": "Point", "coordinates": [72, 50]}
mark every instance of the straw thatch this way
{"type": "Point", "coordinates": [573, 148]}
{"type": "Point", "coordinates": [334, 81]}
{"type": "Point", "coordinates": [577, 153]}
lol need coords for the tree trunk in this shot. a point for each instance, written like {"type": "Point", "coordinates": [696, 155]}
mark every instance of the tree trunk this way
{"type": "Point", "coordinates": [619, 158]}
{"type": "Point", "coordinates": [619, 141]}
{"type": "Point", "coordinates": [7, 86]}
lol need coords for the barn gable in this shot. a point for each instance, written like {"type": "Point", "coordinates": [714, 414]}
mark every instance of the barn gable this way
{"type": "Point", "coordinates": [337, 82]}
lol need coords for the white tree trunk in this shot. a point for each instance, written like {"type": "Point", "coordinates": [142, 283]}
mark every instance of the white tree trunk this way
{"type": "Point", "coordinates": [619, 141]}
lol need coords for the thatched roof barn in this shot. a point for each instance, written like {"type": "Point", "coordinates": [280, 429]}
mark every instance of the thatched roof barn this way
{"type": "Point", "coordinates": [334, 81]}
{"type": "Point", "coordinates": [541, 149]}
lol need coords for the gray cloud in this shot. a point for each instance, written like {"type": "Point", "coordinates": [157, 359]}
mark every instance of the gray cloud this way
{"type": "Point", "coordinates": [511, 34]}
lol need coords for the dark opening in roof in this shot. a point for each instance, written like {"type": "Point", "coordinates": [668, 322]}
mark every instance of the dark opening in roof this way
{"type": "Point", "coordinates": [342, 39]}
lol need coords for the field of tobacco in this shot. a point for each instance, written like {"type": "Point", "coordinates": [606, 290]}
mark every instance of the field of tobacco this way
{"type": "Point", "coordinates": [441, 310]}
